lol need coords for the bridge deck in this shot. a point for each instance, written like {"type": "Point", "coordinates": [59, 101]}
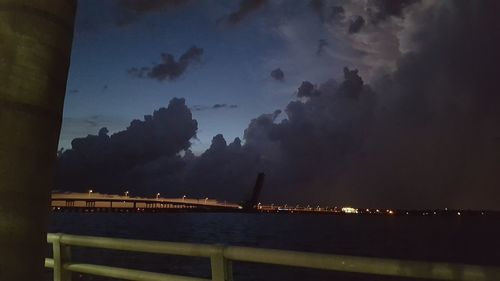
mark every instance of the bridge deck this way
{"type": "Point", "coordinates": [62, 201]}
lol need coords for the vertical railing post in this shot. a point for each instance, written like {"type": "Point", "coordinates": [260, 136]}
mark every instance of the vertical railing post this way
{"type": "Point", "coordinates": [61, 255]}
{"type": "Point", "coordinates": [222, 269]}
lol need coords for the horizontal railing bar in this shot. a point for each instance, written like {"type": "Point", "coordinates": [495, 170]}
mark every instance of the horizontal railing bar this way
{"type": "Point", "coordinates": [365, 265]}
{"type": "Point", "coordinates": [126, 274]}
{"type": "Point", "coordinates": [49, 263]}
{"type": "Point", "coordinates": [51, 237]}
{"type": "Point", "coordinates": [144, 246]}
{"type": "Point", "coordinates": [374, 266]}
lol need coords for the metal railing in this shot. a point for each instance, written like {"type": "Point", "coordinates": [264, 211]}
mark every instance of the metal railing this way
{"type": "Point", "coordinates": [222, 256]}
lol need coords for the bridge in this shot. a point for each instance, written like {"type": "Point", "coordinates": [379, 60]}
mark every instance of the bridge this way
{"type": "Point", "coordinates": [96, 202]}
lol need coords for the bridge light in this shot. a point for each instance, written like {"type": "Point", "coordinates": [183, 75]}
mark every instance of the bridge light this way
{"type": "Point", "coordinates": [126, 194]}
{"type": "Point", "coordinates": [183, 197]}
{"type": "Point", "coordinates": [157, 195]}
{"type": "Point", "coordinates": [90, 192]}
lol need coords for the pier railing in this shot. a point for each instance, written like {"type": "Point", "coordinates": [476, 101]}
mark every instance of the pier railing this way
{"type": "Point", "coordinates": [222, 256]}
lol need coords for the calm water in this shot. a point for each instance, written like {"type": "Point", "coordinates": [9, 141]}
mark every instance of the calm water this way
{"type": "Point", "coordinates": [473, 240]}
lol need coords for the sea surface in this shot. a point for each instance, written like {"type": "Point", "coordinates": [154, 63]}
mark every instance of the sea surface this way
{"type": "Point", "coordinates": [471, 240]}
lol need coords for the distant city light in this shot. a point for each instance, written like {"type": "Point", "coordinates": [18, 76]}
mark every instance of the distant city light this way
{"type": "Point", "coordinates": [349, 210]}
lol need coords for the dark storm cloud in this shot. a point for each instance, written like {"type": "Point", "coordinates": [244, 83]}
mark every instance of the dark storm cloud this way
{"type": "Point", "coordinates": [383, 9]}
{"type": "Point", "coordinates": [307, 90]}
{"type": "Point", "coordinates": [356, 24]}
{"type": "Point", "coordinates": [133, 158]}
{"type": "Point", "coordinates": [224, 171]}
{"type": "Point", "coordinates": [278, 74]}
{"type": "Point", "coordinates": [315, 137]}
{"type": "Point", "coordinates": [433, 143]}
{"type": "Point", "coordinates": [131, 10]}
{"type": "Point", "coordinates": [423, 136]}
{"type": "Point", "coordinates": [245, 8]}
{"type": "Point", "coordinates": [322, 44]}
{"type": "Point", "coordinates": [169, 68]}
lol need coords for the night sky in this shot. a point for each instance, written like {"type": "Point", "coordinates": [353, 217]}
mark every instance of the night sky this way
{"type": "Point", "coordinates": [367, 103]}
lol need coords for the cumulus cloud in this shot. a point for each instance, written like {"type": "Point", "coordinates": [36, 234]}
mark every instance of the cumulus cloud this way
{"type": "Point", "coordinates": [245, 8]}
{"type": "Point", "coordinates": [423, 135]}
{"type": "Point", "coordinates": [278, 74]}
{"type": "Point", "coordinates": [131, 157]}
{"type": "Point", "coordinates": [434, 139]}
{"type": "Point", "coordinates": [169, 68]}
{"type": "Point", "coordinates": [228, 169]}
{"type": "Point", "coordinates": [307, 90]}
{"type": "Point", "coordinates": [131, 10]}
{"type": "Point", "coordinates": [225, 171]}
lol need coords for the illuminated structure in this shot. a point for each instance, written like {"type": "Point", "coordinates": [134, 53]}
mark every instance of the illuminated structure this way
{"type": "Point", "coordinates": [349, 210]}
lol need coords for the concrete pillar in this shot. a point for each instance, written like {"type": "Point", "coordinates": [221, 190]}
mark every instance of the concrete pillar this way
{"type": "Point", "coordinates": [35, 47]}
